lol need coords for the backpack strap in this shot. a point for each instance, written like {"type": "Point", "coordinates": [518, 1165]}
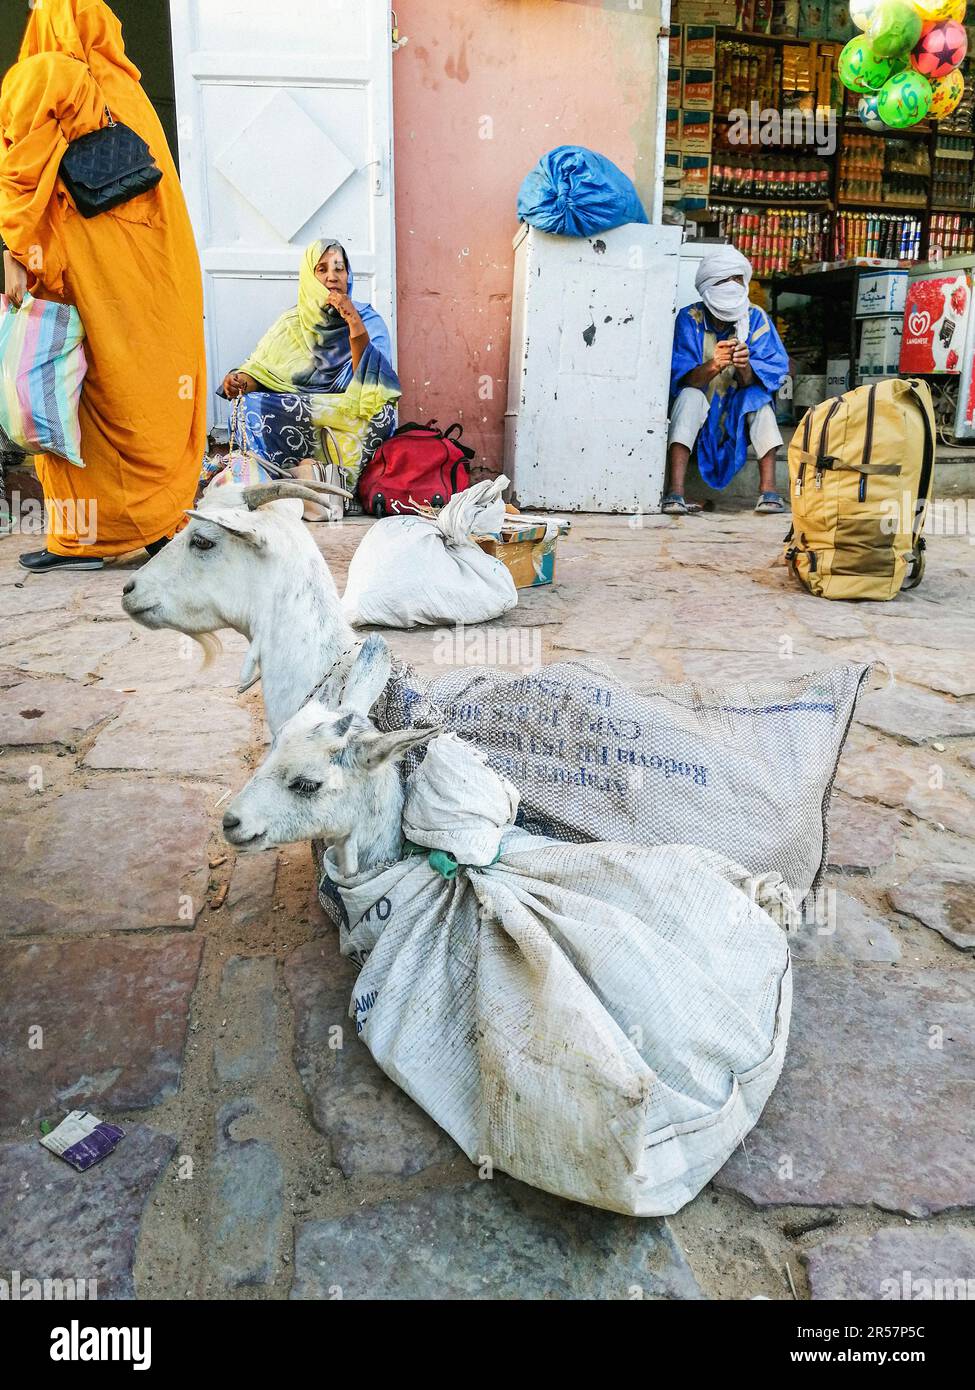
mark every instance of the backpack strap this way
{"type": "Point", "coordinates": [918, 545]}
{"type": "Point", "coordinates": [448, 433]}
{"type": "Point", "coordinates": [411, 427]}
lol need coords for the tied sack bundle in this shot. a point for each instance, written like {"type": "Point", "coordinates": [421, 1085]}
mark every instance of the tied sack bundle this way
{"type": "Point", "coordinates": [604, 1021]}
{"type": "Point", "coordinates": [410, 571]}
{"type": "Point", "coordinates": [744, 769]}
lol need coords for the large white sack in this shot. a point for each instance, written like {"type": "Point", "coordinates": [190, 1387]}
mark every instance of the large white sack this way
{"type": "Point", "coordinates": [409, 571]}
{"type": "Point", "coordinates": [605, 1022]}
{"type": "Point", "coordinates": [746, 769]}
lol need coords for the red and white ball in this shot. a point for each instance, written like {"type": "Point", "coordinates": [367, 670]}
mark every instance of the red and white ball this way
{"type": "Point", "coordinates": [941, 47]}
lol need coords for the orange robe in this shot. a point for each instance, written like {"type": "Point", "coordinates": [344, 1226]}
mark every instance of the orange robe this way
{"type": "Point", "coordinates": [133, 273]}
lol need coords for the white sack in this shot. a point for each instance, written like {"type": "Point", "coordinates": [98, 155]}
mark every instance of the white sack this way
{"type": "Point", "coordinates": [413, 570]}
{"type": "Point", "coordinates": [602, 1021]}
{"type": "Point", "coordinates": [744, 769]}
{"type": "Point", "coordinates": [456, 803]}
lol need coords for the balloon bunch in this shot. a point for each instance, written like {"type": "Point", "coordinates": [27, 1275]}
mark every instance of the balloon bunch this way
{"type": "Point", "coordinates": [905, 60]}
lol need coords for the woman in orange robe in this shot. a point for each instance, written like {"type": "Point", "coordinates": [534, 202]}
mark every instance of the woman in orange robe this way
{"type": "Point", "coordinates": [134, 275]}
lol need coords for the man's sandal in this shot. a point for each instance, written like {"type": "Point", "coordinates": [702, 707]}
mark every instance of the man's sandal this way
{"type": "Point", "coordinates": [675, 504]}
{"type": "Point", "coordinates": [770, 503]}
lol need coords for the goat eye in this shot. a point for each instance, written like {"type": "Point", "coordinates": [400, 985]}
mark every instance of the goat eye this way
{"type": "Point", "coordinates": [303, 786]}
{"type": "Point", "coordinates": [199, 542]}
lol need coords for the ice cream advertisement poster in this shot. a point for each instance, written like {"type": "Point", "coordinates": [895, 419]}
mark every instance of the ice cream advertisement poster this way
{"type": "Point", "coordinates": [934, 323]}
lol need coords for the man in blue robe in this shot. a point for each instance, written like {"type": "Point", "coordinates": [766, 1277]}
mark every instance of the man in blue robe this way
{"type": "Point", "coordinates": [728, 362]}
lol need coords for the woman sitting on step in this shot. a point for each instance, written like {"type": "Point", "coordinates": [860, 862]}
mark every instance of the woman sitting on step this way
{"type": "Point", "coordinates": [321, 379]}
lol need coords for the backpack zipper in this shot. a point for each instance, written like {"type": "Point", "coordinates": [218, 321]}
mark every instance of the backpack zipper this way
{"type": "Point", "coordinates": [867, 442]}
{"type": "Point", "coordinates": [805, 447]}
{"type": "Point", "coordinates": [824, 439]}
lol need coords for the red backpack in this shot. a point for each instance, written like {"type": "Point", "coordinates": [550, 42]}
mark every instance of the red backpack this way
{"type": "Point", "coordinates": [418, 463]}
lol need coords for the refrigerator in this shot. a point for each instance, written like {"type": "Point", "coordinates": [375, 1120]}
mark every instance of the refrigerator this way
{"type": "Point", "coordinates": [592, 322]}
{"type": "Point", "coordinates": [939, 331]}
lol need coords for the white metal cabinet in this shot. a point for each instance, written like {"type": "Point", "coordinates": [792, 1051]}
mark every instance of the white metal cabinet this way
{"type": "Point", "coordinates": [592, 325]}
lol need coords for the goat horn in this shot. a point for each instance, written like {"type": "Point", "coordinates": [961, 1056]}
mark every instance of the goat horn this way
{"type": "Point", "coordinates": [259, 494]}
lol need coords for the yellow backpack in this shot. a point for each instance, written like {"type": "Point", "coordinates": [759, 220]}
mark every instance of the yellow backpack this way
{"type": "Point", "coordinates": [861, 468]}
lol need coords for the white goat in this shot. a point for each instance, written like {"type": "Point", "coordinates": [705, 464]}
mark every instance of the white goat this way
{"type": "Point", "coordinates": [246, 561]}
{"type": "Point", "coordinates": [331, 776]}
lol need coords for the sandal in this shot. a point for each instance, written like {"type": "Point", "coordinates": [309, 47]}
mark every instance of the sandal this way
{"type": "Point", "coordinates": [770, 503]}
{"type": "Point", "coordinates": [675, 504]}
{"type": "Point", "coordinates": [40, 561]}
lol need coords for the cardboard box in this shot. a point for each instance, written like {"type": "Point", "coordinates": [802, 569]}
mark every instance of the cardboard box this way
{"type": "Point", "coordinates": [700, 46]}
{"type": "Point", "coordinates": [672, 128]}
{"type": "Point", "coordinates": [696, 132]}
{"type": "Point", "coordinates": [697, 92]}
{"type": "Point", "coordinates": [837, 376]}
{"type": "Point", "coordinates": [675, 54]}
{"type": "Point", "coordinates": [881, 292]}
{"type": "Point", "coordinates": [696, 182]}
{"type": "Point", "coordinates": [880, 346]}
{"type": "Point", "coordinates": [521, 547]}
{"type": "Point", "coordinates": [705, 11]}
{"type": "Point", "coordinates": [673, 174]}
{"type": "Point", "coordinates": [674, 86]}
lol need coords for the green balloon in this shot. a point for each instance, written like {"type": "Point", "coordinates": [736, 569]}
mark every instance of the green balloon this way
{"type": "Point", "coordinates": [905, 99]}
{"type": "Point", "coordinates": [894, 29]}
{"type": "Point", "coordinates": [861, 69]}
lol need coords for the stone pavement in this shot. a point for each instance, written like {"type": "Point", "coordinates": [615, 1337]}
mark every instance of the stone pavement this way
{"type": "Point", "coordinates": [201, 1002]}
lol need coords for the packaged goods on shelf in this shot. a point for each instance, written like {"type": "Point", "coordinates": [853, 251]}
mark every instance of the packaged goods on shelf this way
{"type": "Point", "coordinates": [782, 179]}
{"type": "Point", "coordinates": [880, 347]}
{"type": "Point", "coordinates": [672, 128]}
{"type": "Point", "coordinates": [696, 181]}
{"type": "Point", "coordinates": [674, 85]}
{"type": "Point", "coordinates": [676, 46]}
{"type": "Point", "coordinates": [696, 132]}
{"type": "Point", "coordinates": [882, 235]}
{"type": "Point", "coordinates": [774, 239]}
{"type": "Point", "coordinates": [700, 46]}
{"type": "Point", "coordinates": [952, 233]}
{"type": "Point", "coordinates": [697, 92]}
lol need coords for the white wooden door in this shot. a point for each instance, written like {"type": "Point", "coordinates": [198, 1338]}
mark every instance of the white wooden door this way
{"type": "Point", "coordinates": [284, 115]}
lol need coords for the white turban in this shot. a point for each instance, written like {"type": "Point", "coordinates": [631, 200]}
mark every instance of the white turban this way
{"type": "Point", "coordinates": [729, 302]}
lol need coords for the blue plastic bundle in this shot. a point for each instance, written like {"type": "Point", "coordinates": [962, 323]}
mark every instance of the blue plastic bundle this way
{"type": "Point", "coordinates": [573, 191]}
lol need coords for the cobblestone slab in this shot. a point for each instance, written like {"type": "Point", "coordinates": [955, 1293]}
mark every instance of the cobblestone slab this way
{"type": "Point", "coordinates": [56, 1223]}
{"type": "Point", "coordinates": [247, 1202]}
{"type": "Point", "coordinates": [874, 1103]}
{"type": "Point", "coordinates": [372, 1125]}
{"type": "Point", "coordinates": [119, 856]}
{"type": "Point", "coordinates": [494, 1239]}
{"type": "Point", "coordinates": [941, 896]}
{"type": "Point", "coordinates": [99, 1023]}
{"type": "Point", "coordinates": [53, 711]}
{"type": "Point", "coordinates": [912, 1264]}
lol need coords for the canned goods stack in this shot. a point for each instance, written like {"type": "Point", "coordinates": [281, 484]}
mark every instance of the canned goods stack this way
{"type": "Point", "coordinates": [775, 239]}
{"type": "Point", "coordinates": [887, 235]}
{"type": "Point", "coordinates": [953, 234]}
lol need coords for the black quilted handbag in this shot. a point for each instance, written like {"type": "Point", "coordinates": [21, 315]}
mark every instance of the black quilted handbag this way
{"type": "Point", "coordinates": [107, 167]}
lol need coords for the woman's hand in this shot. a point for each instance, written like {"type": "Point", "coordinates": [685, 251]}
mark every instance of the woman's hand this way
{"type": "Point", "coordinates": [238, 383]}
{"type": "Point", "coordinates": [343, 306]}
{"type": "Point", "coordinates": [14, 279]}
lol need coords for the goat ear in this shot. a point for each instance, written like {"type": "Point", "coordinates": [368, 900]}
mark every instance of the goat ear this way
{"type": "Point", "coordinates": [236, 523]}
{"type": "Point", "coordinates": [368, 675]}
{"type": "Point", "coordinates": [374, 750]}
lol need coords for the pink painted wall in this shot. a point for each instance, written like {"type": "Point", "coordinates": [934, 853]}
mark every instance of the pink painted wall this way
{"type": "Point", "coordinates": [530, 75]}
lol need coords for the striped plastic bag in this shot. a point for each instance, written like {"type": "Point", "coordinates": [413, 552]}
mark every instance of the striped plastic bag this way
{"type": "Point", "coordinates": [42, 367]}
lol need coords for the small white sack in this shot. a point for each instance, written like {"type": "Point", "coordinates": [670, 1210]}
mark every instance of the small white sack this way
{"type": "Point", "coordinates": [603, 1021]}
{"type": "Point", "coordinates": [409, 571]}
